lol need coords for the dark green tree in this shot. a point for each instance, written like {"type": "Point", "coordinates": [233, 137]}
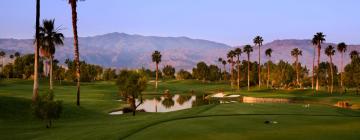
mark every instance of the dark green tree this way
{"type": "Point", "coordinates": [354, 55]}
{"type": "Point", "coordinates": [183, 74]}
{"type": "Point", "coordinates": [201, 71]}
{"type": "Point", "coordinates": [169, 72]}
{"type": "Point", "coordinates": [8, 70]}
{"type": "Point", "coordinates": [131, 84]}
{"type": "Point", "coordinates": [109, 74]}
{"type": "Point", "coordinates": [352, 71]}
{"type": "Point", "coordinates": [283, 74]}
{"type": "Point", "coordinates": [214, 73]}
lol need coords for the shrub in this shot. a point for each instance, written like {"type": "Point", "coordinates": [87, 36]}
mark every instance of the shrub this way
{"type": "Point", "coordinates": [46, 109]}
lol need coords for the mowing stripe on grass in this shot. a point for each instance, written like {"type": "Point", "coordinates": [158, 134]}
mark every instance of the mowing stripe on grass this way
{"type": "Point", "coordinates": [229, 115]}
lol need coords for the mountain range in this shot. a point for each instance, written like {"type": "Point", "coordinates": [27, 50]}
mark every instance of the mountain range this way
{"type": "Point", "coordinates": [120, 50]}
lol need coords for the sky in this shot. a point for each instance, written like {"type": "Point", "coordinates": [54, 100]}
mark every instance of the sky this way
{"type": "Point", "coordinates": [233, 22]}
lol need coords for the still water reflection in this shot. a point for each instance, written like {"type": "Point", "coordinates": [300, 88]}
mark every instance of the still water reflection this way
{"type": "Point", "coordinates": [167, 103]}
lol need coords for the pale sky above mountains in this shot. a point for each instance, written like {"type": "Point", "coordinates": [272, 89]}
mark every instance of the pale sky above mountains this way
{"type": "Point", "coordinates": [233, 22]}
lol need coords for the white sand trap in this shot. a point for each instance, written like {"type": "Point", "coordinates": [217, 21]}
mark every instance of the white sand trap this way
{"type": "Point", "coordinates": [153, 81]}
{"type": "Point", "coordinates": [233, 96]}
{"type": "Point", "coordinates": [218, 95]}
{"type": "Point", "coordinates": [117, 113]}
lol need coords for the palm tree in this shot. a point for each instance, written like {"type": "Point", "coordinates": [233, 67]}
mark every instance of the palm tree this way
{"type": "Point", "coordinates": [224, 63]}
{"type": "Point", "coordinates": [330, 51]}
{"type": "Point", "coordinates": [319, 38]}
{"type": "Point", "coordinates": [248, 49]}
{"type": "Point", "coordinates": [17, 54]}
{"type": "Point", "coordinates": [296, 52]}
{"type": "Point", "coordinates": [314, 42]}
{"type": "Point", "coordinates": [156, 57]}
{"type": "Point", "coordinates": [2, 55]}
{"type": "Point", "coordinates": [341, 47]}
{"type": "Point", "coordinates": [220, 61]}
{"type": "Point", "coordinates": [238, 53]}
{"type": "Point", "coordinates": [11, 56]}
{"type": "Point", "coordinates": [37, 47]}
{"type": "Point", "coordinates": [354, 54]}
{"type": "Point", "coordinates": [73, 4]}
{"type": "Point", "coordinates": [49, 38]}
{"type": "Point", "coordinates": [231, 54]}
{"type": "Point", "coordinates": [268, 54]}
{"type": "Point", "coordinates": [258, 40]}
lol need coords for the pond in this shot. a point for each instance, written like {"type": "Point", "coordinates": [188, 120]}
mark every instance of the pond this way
{"type": "Point", "coordinates": [169, 103]}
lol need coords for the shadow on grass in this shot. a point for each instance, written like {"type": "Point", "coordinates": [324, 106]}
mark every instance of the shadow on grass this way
{"type": "Point", "coordinates": [13, 108]}
{"type": "Point", "coordinates": [20, 109]}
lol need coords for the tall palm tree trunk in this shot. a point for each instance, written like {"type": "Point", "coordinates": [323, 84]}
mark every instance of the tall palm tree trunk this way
{"type": "Point", "coordinates": [232, 74]}
{"type": "Point", "coordinates": [37, 47]}
{"type": "Point", "coordinates": [238, 73]}
{"type": "Point", "coordinates": [51, 72]}
{"type": "Point", "coordinates": [297, 71]}
{"type": "Point", "coordinates": [133, 106]}
{"type": "Point", "coordinates": [2, 63]}
{"type": "Point", "coordinates": [224, 72]}
{"type": "Point", "coordinates": [341, 72]}
{"type": "Point", "coordinates": [259, 69]}
{"type": "Point", "coordinates": [317, 70]}
{"type": "Point", "coordinates": [268, 74]}
{"type": "Point", "coordinates": [332, 76]}
{"type": "Point", "coordinates": [157, 75]}
{"type": "Point", "coordinates": [76, 49]}
{"type": "Point", "coordinates": [220, 74]}
{"type": "Point", "coordinates": [248, 77]}
{"type": "Point", "coordinates": [313, 71]}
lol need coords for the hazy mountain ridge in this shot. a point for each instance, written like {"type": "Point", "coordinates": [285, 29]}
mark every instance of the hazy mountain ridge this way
{"type": "Point", "coordinates": [122, 50]}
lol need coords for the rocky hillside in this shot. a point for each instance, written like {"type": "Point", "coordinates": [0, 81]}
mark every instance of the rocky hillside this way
{"type": "Point", "coordinates": [133, 51]}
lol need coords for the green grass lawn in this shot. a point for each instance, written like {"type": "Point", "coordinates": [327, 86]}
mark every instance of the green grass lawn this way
{"type": "Point", "coordinates": [215, 121]}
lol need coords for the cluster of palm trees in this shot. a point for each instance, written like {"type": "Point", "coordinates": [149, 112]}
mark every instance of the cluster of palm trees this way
{"type": "Point", "coordinates": [236, 53]}
{"type": "Point", "coordinates": [11, 56]}
{"type": "Point", "coordinates": [46, 41]}
{"type": "Point", "coordinates": [317, 41]}
{"type": "Point", "coordinates": [223, 62]}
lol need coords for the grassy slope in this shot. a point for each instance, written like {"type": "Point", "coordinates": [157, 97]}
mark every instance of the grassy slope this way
{"type": "Point", "coordinates": [232, 121]}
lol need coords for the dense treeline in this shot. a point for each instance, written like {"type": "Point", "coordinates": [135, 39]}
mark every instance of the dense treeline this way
{"type": "Point", "coordinates": [282, 74]}
{"type": "Point", "coordinates": [23, 67]}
